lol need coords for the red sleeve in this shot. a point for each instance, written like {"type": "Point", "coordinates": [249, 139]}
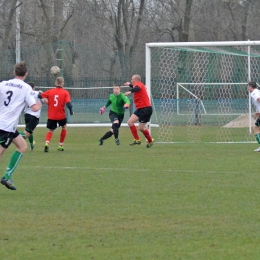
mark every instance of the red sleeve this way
{"type": "Point", "coordinates": [45, 94]}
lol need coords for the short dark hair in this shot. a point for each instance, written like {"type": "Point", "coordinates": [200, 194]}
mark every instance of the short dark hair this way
{"type": "Point", "coordinates": [252, 84]}
{"type": "Point", "coordinates": [31, 84]}
{"type": "Point", "coordinates": [20, 69]}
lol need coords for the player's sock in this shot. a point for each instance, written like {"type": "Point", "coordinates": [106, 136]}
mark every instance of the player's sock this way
{"type": "Point", "coordinates": [107, 135]}
{"type": "Point", "coordinates": [257, 137]}
{"type": "Point", "coordinates": [22, 134]}
{"type": "Point", "coordinates": [134, 132]}
{"type": "Point", "coordinates": [30, 138]}
{"type": "Point", "coordinates": [48, 137]}
{"type": "Point", "coordinates": [147, 135]}
{"type": "Point", "coordinates": [63, 134]}
{"type": "Point", "coordinates": [14, 160]}
{"type": "Point", "coordinates": [115, 128]}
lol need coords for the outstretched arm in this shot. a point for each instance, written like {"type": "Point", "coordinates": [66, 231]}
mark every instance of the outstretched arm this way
{"type": "Point", "coordinates": [102, 109]}
{"type": "Point", "coordinates": [132, 90]}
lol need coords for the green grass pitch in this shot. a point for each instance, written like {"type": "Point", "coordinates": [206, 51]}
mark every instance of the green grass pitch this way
{"type": "Point", "coordinates": [171, 201]}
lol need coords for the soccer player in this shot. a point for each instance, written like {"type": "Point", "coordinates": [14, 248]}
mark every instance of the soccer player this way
{"type": "Point", "coordinates": [57, 98]}
{"type": "Point", "coordinates": [31, 119]}
{"type": "Point", "coordinates": [255, 95]}
{"type": "Point", "coordinates": [143, 111]}
{"type": "Point", "coordinates": [13, 95]}
{"type": "Point", "coordinates": [119, 102]}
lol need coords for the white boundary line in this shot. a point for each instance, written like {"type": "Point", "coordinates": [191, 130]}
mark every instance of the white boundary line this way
{"type": "Point", "coordinates": [119, 169]}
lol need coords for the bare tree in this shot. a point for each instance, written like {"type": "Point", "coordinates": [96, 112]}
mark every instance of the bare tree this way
{"type": "Point", "coordinates": [43, 23]}
{"type": "Point", "coordinates": [226, 20]}
{"type": "Point", "coordinates": [106, 38]}
{"type": "Point", "coordinates": [7, 35]}
{"type": "Point", "coordinates": [124, 18]}
{"type": "Point", "coordinates": [184, 27]}
{"type": "Point", "coordinates": [172, 17]}
{"type": "Point", "coordinates": [9, 23]}
{"type": "Point", "coordinates": [246, 17]}
{"type": "Point", "coordinates": [55, 20]}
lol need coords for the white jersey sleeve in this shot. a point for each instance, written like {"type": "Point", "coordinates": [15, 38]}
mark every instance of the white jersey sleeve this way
{"type": "Point", "coordinates": [27, 109]}
{"type": "Point", "coordinates": [14, 94]}
{"type": "Point", "coordinates": [255, 95]}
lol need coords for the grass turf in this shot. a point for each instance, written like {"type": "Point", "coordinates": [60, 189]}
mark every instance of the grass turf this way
{"type": "Point", "coordinates": [171, 201]}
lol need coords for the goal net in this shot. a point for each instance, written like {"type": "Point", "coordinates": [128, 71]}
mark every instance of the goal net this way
{"type": "Point", "coordinates": [199, 90]}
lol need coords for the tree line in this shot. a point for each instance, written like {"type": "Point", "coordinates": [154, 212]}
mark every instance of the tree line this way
{"type": "Point", "coordinates": [106, 38]}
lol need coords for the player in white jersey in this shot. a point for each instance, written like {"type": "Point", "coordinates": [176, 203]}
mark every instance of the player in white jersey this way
{"type": "Point", "coordinates": [255, 95]}
{"type": "Point", "coordinates": [31, 119]}
{"type": "Point", "coordinates": [14, 94]}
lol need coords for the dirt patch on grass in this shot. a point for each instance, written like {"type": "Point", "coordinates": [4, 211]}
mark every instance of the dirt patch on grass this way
{"type": "Point", "coordinates": [241, 121]}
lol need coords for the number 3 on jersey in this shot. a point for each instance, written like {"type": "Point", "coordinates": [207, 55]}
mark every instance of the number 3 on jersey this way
{"type": "Point", "coordinates": [56, 100]}
{"type": "Point", "coordinates": [9, 95]}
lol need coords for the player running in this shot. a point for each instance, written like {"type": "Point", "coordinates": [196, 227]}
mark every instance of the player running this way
{"type": "Point", "coordinates": [31, 119]}
{"type": "Point", "coordinates": [143, 111]}
{"type": "Point", "coordinates": [13, 95]}
{"type": "Point", "coordinates": [119, 102]}
{"type": "Point", "coordinates": [57, 99]}
{"type": "Point", "coordinates": [255, 96]}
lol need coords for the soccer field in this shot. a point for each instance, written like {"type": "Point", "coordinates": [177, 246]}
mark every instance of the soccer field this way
{"type": "Point", "coordinates": [171, 201]}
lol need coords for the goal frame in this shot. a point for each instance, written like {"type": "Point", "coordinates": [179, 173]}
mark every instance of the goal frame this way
{"type": "Point", "coordinates": [151, 45]}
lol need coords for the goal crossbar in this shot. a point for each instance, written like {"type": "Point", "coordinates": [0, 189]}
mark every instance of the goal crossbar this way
{"type": "Point", "coordinates": [202, 84]}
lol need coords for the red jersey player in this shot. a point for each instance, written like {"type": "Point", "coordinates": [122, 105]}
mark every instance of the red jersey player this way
{"type": "Point", "coordinates": [57, 99]}
{"type": "Point", "coordinates": [143, 110]}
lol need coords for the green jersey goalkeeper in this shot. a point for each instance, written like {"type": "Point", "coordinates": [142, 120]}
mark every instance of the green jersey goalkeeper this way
{"type": "Point", "coordinates": [119, 102]}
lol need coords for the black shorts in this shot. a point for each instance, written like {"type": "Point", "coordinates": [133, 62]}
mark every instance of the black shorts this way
{"type": "Point", "coordinates": [30, 122]}
{"type": "Point", "coordinates": [144, 114]}
{"type": "Point", "coordinates": [113, 117]}
{"type": "Point", "coordinates": [6, 138]}
{"type": "Point", "coordinates": [257, 122]}
{"type": "Point", "coordinates": [52, 124]}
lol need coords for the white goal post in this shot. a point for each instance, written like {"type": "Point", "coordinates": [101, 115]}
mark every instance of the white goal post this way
{"type": "Point", "coordinates": [199, 90]}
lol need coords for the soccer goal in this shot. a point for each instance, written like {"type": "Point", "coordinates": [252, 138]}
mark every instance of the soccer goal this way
{"type": "Point", "coordinates": [199, 90]}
